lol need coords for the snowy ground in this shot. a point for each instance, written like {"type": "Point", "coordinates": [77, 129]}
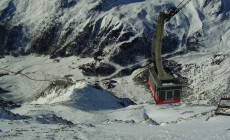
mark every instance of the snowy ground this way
{"type": "Point", "coordinates": [81, 111]}
{"type": "Point", "coordinates": [135, 122]}
{"type": "Point", "coordinates": [208, 76]}
{"type": "Point", "coordinates": [126, 125]}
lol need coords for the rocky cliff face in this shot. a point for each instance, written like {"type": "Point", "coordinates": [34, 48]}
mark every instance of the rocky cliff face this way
{"type": "Point", "coordinates": [118, 30]}
{"type": "Point", "coordinates": [114, 30]}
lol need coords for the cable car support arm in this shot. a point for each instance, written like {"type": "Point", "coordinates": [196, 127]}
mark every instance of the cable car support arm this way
{"type": "Point", "coordinates": [157, 41]}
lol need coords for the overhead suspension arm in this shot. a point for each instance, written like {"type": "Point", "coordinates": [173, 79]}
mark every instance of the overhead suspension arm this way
{"type": "Point", "coordinates": [158, 37]}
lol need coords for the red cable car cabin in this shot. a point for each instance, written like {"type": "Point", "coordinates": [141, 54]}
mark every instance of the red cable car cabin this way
{"type": "Point", "coordinates": [164, 93]}
{"type": "Point", "coordinates": [163, 85]}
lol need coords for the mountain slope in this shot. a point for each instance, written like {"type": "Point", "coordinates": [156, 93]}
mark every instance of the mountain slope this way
{"type": "Point", "coordinates": [118, 33]}
{"type": "Point", "coordinates": [100, 90]}
{"type": "Point", "coordinates": [120, 30]}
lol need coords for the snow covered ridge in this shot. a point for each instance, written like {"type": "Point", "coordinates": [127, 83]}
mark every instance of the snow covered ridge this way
{"type": "Point", "coordinates": [80, 95]}
{"type": "Point", "coordinates": [5, 114]}
{"type": "Point", "coordinates": [115, 29]}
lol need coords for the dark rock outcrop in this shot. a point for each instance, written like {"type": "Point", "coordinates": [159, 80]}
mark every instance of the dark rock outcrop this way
{"type": "Point", "coordinates": [103, 69]}
{"type": "Point", "coordinates": [10, 38]}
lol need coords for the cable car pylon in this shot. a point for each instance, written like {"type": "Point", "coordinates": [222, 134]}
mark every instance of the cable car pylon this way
{"type": "Point", "coordinates": [165, 87]}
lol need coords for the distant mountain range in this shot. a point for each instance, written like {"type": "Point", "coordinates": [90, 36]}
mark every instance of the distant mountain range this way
{"type": "Point", "coordinates": [120, 30]}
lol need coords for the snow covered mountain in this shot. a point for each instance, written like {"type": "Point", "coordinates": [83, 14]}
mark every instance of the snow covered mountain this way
{"type": "Point", "coordinates": [120, 33]}
{"type": "Point", "coordinates": [61, 48]}
{"type": "Point", "coordinates": [115, 29]}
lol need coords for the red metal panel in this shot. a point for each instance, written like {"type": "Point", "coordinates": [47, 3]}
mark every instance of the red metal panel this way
{"type": "Point", "coordinates": [153, 91]}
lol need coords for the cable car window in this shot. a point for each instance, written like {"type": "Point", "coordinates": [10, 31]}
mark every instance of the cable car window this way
{"type": "Point", "coordinates": [177, 93]}
{"type": "Point", "coordinates": [169, 95]}
{"type": "Point", "coordinates": [162, 95]}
